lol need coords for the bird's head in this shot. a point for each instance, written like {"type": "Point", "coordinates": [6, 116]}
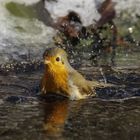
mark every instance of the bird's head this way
{"type": "Point", "coordinates": [55, 59]}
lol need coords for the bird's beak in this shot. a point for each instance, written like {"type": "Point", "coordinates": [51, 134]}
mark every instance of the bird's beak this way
{"type": "Point", "coordinates": [47, 61]}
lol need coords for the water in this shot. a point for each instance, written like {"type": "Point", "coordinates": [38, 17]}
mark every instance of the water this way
{"type": "Point", "coordinates": [113, 114]}
{"type": "Point", "coordinates": [62, 120]}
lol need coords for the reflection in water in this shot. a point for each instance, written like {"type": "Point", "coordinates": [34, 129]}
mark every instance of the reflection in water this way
{"type": "Point", "coordinates": [56, 113]}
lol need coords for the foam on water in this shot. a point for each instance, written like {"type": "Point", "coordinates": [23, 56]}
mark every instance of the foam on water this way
{"type": "Point", "coordinates": [33, 30]}
{"type": "Point", "coordinates": [87, 9]}
{"type": "Point", "coordinates": [15, 31]}
{"type": "Point", "coordinates": [132, 6]}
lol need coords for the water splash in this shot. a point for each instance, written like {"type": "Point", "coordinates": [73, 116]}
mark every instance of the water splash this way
{"type": "Point", "coordinates": [103, 75]}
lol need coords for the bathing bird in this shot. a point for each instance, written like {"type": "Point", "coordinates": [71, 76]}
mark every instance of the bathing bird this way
{"type": "Point", "coordinates": [61, 78]}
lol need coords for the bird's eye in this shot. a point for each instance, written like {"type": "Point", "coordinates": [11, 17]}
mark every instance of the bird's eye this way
{"type": "Point", "coordinates": [58, 59]}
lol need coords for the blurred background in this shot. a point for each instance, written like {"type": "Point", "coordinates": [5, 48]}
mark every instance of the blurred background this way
{"type": "Point", "coordinates": [93, 26]}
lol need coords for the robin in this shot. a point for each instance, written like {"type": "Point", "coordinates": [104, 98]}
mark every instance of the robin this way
{"type": "Point", "coordinates": [61, 78]}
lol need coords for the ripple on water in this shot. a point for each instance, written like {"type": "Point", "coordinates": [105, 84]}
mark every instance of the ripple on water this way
{"type": "Point", "coordinates": [113, 114]}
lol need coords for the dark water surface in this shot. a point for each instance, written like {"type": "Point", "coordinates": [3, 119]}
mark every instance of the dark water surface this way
{"type": "Point", "coordinates": [113, 114]}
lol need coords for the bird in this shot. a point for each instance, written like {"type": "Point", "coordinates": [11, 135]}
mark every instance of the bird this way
{"type": "Point", "coordinates": [61, 78]}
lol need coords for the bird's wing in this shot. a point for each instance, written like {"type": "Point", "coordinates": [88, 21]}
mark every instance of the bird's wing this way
{"type": "Point", "coordinates": [84, 86]}
{"type": "Point", "coordinates": [87, 85]}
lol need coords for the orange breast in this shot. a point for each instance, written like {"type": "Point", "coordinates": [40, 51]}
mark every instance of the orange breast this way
{"type": "Point", "coordinates": [56, 82]}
